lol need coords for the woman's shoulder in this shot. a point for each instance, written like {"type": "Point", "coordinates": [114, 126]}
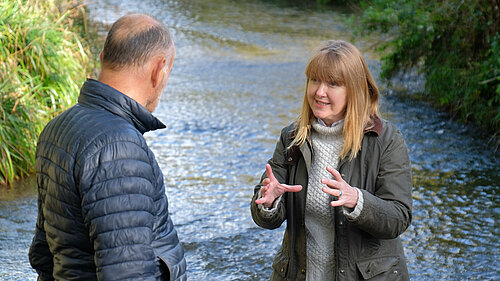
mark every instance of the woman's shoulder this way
{"type": "Point", "coordinates": [390, 133]}
{"type": "Point", "coordinates": [388, 128]}
{"type": "Point", "coordinates": [288, 132]}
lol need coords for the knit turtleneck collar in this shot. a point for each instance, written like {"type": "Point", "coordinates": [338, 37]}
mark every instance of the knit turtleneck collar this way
{"type": "Point", "coordinates": [328, 131]}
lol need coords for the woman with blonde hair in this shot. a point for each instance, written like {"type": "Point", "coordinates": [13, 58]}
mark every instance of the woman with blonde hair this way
{"type": "Point", "coordinates": [341, 178]}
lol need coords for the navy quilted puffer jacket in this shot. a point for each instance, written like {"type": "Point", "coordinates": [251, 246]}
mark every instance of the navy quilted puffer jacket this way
{"type": "Point", "coordinates": [102, 207]}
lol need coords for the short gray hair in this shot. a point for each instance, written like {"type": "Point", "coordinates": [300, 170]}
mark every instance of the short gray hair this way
{"type": "Point", "coordinates": [132, 41]}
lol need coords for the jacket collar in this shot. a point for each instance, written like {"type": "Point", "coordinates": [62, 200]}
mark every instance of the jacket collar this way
{"type": "Point", "coordinates": [98, 95]}
{"type": "Point", "coordinates": [294, 153]}
{"type": "Point", "coordinates": [376, 126]}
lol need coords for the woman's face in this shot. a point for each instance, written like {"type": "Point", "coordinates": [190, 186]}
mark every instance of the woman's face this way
{"type": "Point", "coordinates": [327, 101]}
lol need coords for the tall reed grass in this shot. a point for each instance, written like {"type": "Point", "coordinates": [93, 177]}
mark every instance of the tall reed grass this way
{"type": "Point", "coordinates": [43, 57]}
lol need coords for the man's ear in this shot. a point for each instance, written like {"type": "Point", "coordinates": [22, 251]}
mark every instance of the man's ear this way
{"type": "Point", "coordinates": [156, 73]}
{"type": "Point", "coordinates": [101, 55]}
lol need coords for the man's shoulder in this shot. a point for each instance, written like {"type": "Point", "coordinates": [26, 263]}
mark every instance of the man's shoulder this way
{"type": "Point", "coordinates": [87, 127]}
{"type": "Point", "coordinates": [88, 119]}
{"type": "Point", "coordinates": [103, 127]}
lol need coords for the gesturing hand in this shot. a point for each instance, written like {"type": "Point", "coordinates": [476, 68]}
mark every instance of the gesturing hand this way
{"type": "Point", "coordinates": [272, 189]}
{"type": "Point", "coordinates": [348, 195]}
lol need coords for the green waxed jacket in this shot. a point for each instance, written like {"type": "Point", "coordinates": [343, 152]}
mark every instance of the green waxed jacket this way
{"type": "Point", "coordinates": [368, 247]}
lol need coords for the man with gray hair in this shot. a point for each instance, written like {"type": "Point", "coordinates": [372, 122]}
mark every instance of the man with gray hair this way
{"type": "Point", "coordinates": [102, 208]}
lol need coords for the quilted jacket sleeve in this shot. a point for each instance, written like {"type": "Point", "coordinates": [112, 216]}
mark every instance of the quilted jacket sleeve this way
{"type": "Point", "coordinates": [118, 209]}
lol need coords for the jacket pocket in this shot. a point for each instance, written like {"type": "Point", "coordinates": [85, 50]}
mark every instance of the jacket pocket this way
{"type": "Point", "coordinates": [381, 268]}
{"type": "Point", "coordinates": [280, 265]}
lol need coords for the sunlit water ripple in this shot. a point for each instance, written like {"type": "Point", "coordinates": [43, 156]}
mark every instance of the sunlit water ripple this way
{"type": "Point", "coordinates": [237, 80]}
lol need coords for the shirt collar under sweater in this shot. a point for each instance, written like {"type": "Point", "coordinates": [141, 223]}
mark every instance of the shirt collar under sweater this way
{"type": "Point", "coordinates": [96, 94]}
{"type": "Point", "coordinates": [321, 122]}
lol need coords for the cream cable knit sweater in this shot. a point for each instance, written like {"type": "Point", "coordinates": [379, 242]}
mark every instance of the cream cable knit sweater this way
{"type": "Point", "coordinates": [327, 142]}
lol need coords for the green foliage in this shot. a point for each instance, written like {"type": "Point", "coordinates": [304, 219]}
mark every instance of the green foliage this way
{"type": "Point", "coordinates": [320, 2]}
{"type": "Point", "coordinates": [455, 44]}
{"type": "Point", "coordinates": [41, 69]}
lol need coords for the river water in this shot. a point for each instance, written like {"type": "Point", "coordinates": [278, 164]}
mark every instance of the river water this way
{"type": "Point", "coordinates": [237, 80]}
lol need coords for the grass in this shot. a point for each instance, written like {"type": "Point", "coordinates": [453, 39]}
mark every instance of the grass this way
{"type": "Point", "coordinates": [44, 53]}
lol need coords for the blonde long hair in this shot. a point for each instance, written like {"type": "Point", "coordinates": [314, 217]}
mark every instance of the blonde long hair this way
{"type": "Point", "coordinates": [341, 63]}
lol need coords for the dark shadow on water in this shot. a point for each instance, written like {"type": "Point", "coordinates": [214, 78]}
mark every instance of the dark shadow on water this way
{"type": "Point", "coordinates": [20, 189]}
{"type": "Point", "coordinates": [313, 5]}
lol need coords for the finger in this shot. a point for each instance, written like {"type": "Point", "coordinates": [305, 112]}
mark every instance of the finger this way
{"type": "Point", "coordinates": [331, 183]}
{"type": "Point", "coordinates": [266, 181]}
{"type": "Point", "coordinates": [334, 192]}
{"type": "Point", "coordinates": [269, 173]}
{"type": "Point", "coordinates": [264, 198]}
{"type": "Point", "coordinates": [260, 200]}
{"type": "Point", "coordinates": [337, 203]}
{"type": "Point", "coordinates": [335, 173]}
{"type": "Point", "coordinates": [291, 188]}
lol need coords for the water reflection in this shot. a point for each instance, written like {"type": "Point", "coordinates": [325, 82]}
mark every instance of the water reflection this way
{"type": "Point", "coordinates": [17, 221]}
{"type": "Point", "coordinates": [237, 80]}
{"type": "Point", "coordinates": [456, 180]}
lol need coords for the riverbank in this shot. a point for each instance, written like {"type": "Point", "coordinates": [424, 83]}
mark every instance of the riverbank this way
{"type": "Point", "coordinates": [453, 45]}
{"type": "Point", "coordinates": [45, 48]}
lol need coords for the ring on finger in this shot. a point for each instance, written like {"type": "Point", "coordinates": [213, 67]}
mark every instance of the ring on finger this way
{"type": "Point", "coordinates": [340, 193]}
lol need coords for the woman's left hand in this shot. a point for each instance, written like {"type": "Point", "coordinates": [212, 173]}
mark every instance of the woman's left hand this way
{"type": "Point", "coordinates": [348, 195]}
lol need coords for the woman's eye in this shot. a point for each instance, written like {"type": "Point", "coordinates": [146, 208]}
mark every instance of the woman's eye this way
{"type": "Point", "coordinates": [314, 80]}
{"type": "Point", "coordinates": [331, 84]}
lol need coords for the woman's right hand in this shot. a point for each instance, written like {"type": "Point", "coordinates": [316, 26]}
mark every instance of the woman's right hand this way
{"type": "Point", "coordinates": [272, 189]}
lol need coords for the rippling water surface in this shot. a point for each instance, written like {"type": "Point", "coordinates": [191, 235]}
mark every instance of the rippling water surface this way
{"type": "Point", "coordinates": [237, 80]}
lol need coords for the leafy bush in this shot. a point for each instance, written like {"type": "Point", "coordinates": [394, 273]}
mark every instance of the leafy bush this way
{"type": "Point", "coordinates": [454, 44]}
{"type": "Point", "coordinates": [42, 65]}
